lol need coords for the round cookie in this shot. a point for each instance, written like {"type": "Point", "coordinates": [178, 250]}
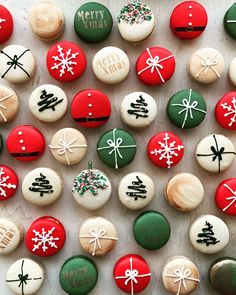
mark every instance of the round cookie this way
{"type": "Point", "coordinates": [136, 22]}
{"type": "Point", "coordinates": [132, 274]}
{"type": "Point", "coordinates": [66, 61]}
{"type": "Point", "coordinates": [215, 153]}
{"type": "Point", "coordinates": [225, 196]}
{"type": "Point", "coordinates": [232, 71]}
{"type": "Point", "coordinates": [8, 183]}
{"type": "Point", "coordinates": [111, 65]}
{"type": "Point", "coordinates": [188, 20]}
{"type": "Point", "coordinates": [25, 276]}
{"type": "Point", "coordinates": [97, 236]}
{"type": "Point", "coordinates": [184, 192]}
{"type": "Point", "coordinates": [222, 275]}
{"type": "Point", "coordinates": [230, 21]}
{"type": "Point", "coordinates": [206, 65]}
{"type": "Point", "coordinates": [138, 109]}
{"type": "Point", "coordinates": [46, 20]}
{"type": "Point", "coordinates": [26, 143]}
{"type": "Point", "coordinates": [155, 66]}
{"type": "Point", "coordinates": [165, 149]}
{"type": "Point", "coordinates": [48, 103]}
{"type": "Point", "coordinates": [209, 234]}
{"type": "Point", "coordinates": [6, 24]}
{"type": "Point", "coordinates": [225, 111]}
{"type": "Point", "coordinates": [93, 22]}
{"type": "Point", "coordinates": [45, 237]}
{"type": "Point", "coordinates": [78, 275]}
{"type": "Point", "coordinates": [116, 148]}
{"type": "Point", "coordinates": [17, 64]}
{"type": "Point", "coordinates": [1, 144]}
{"type": "Point", "coordinates": [9, 104]}
{"type": "Point", "coordinates": [136, 190]}
{"type": "Point", "coordinates": [151, 230]}
{"type": "Point", "coordinates": [91, 188]}
{"type": "Point", "coordinates": [86, 108]}
{"type": "Point", "coordinates": [186, 108]}
{"type": "Point", "coordinates": [68, 146]}
{"type": "Point", "coordinates": [11, 235]}
{"type": "Point", "coordinates": [180, 275]}
{"type": "Point", "coordinates": [42, 186]}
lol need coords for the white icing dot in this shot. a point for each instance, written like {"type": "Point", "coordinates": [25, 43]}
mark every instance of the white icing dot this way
{"type": "Point", "coordinates": [190, 24]}
{"type": "Point", "coordinates": [20, 133]}
{"type": "Point", "coordinates": [90, 114]}
{"type": "Point", "coordinates": [190, 7]}
{"type": "Point", "coordinates": [21, 141]}
{"type": "Point", "coordinates": [90, 105]}
{"type": "Point", "coordinates": [190, 15]}
{"type": "Point", "coordinates": [23, 148]}
{"type": "Point", "coordinates": [89, 94]}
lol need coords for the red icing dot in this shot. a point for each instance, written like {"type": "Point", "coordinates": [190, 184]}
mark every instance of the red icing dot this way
{"type": "Point", "coordinates": [8, 183]}
{"type": "Point", "coordinates": [225, 111]}
{"type": "Point", "coordinates": [225, 196]}
{"type": "Point", "coordinates": [6, 24]}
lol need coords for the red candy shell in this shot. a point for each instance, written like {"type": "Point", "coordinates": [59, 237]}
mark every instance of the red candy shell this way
{"type": "Point", "coordinates": [8, 183]}
{"type": "Point", "coordinates": [225, 111]}
{"type": "Point", "coordinates": [226, 190]}
{"type": "Point", "coordinates": [6, 24]}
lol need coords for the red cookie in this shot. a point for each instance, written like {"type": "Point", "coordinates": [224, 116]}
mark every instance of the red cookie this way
{"type": "Point", "coordinates": [131, 274]}
{"type": "Point", "coordinates": [90, 108]}
{"type": "Point", "coordinates": [26, 143]}
{"type": "Point", "coordinates": [66, 61]}
{"type": "Point", "coordinates": [225, 111]}
{"type": "Point", "coordinates": [188, 20]}
{"type": "Point", "coordinates": [155, 66]}
{"type": "Point", "coordinates": [6, 24]}
{"type": "Point", "coordinates": [225, 196]}
{"type": "Point", "coordinates": [8, 183]}
{"type": "Point", "coordinates": [165, 149]}
{"type": "Point", "coordinates": [45, 237]}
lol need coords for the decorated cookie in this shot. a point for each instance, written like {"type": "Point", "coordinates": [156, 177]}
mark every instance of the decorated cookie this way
{"type": "Point", "coordinates": [91, 188]}
{"type": "Point", "coordinates": [135, 22]}
{"type": "Point", "coordinates": [186, 109]}
{"type": "Point", "coordinates": [206, 65]}
{"type": "Point", "coordinates": [155, 66]}
{"type": "Point", "coordinates": [165, 149]}
{"type": "Point", "coordinates": [6, 24]}
{"type": "Point", "coordinates": [184, 192]}
{"type": "Point", "coordinates": [9, 104]}
{"type": "Point", "coordinates": [86, 108]}
{"type": "Point", "coordinates": [225, 196]}
{"type": "Point", "coordinates": [131, 274]}
{"type": "Point", "coordinates": [98, 236]}
{"type": "Point", "coordinates": [222, 275]}
{"type": "Point", "coordinates": [225, 111]}
{"type": "Point", "coordinates": [209, 234]}
{"type": "Point", "coordinates": [78, 275]}
{"type": "Point", "coordinates": [1, 144]}
{"type": "Point", "coordinates": [116, 148]}
{"type": "Point", "coordinates": [46, 20]}
{"type": "Point", "coordinates": [66, 61]}
{"type": "Point", "coordinates": [180, 275]}
{"type": "Point", "coordinates": [136, 190]}
{"type": "Point", "coordinates": [111, 65]}
{"type": "Point", "coordinates": [230, 21]}
{"type": "Point", "coordinates": [68, 146]}
{"type": "Point", "coordinates": [17, 64]}
{"type": "Point", "coordinates": [8, 183]}
{"type": "Point", "coordinates": [11, 235]}
{"type": "Point", "coordinates": [42, 186]}
{"type": "Point", "coordinates": [93, 22]}
{"type": "Point", "coordinates": [188, 20]}
{"type": "Point", "coordinates": [26, 143]}
{"type": "Point", "coordinates": [45, 237]}
{"type": "Point", "coordinates": [215, 153]}
{"type": "Point", "coordinates": [48, 103]}
{"type": "Point", "coordinates": [138, 109]}
{"type": "Point", "coordinates": [232, 71]}
{"type": "Point", "coordinates": [151, 230]}
{"type": "Point", "coordinates": [25, 277]}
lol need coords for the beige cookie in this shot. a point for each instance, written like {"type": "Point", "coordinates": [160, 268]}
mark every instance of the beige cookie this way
{"type": "Point", "coordinates": [232, 71]}
{"type": "Point", "coordinates": [9, 104]}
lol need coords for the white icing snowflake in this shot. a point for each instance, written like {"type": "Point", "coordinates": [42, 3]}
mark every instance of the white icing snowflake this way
{"type": "Point", "coordinates": [2, 20]}
{"type": "Point", "coordinates": [167, 150]}
{"type": "Point", "coordinates": [64, 61]}
{"type": "Point", "coordinates": [44, 240]}
{"type": "Point", "coordinates": [231, 111]}
{"type": "Point", "coordinates": [4, 183]}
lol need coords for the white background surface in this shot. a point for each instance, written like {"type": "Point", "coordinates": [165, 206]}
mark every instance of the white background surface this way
{"type": "Point", "coordinates": [66, 209]}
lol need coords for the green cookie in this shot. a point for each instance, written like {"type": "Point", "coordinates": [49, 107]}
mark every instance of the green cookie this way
{"type": "Point", "coordinates": [230, 21]}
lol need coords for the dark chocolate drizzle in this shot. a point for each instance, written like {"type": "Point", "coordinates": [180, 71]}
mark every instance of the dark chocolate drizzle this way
{"type": "Point", "coordinates": [139, 109]}
{"type": "Point", "coordinates": [138, 188]}
{"type": "Point", "coordinates": [48, 101]}
{"type": "Point", "coordinates": [41, 185]}
{"type": "Point", "coordinates": [207, 235]}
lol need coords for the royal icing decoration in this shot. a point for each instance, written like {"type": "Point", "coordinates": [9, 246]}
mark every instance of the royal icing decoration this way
{"type": "Point", "coordinates": [3, 107]}
{"type": "Point", "coordinates": [2, 20]}
{"type": "Point", "coordinates": [208, 63]}
{"type": "Point", "coordinates": [207, 235]}
{"type": "Point", "coordinates": [5, 183]}
{"type": "Point", "coordinates": [48, 101]}
{"type": "Point", "coordinates": [43, 240]}
{"type": "Point", "coordinates": [230, 111]}
{"type": "Point", "coordinates": [137, 189]}
{"type": "Point", "coordinates": [41, 185]}
{"type": "Point", "coordinates": [138, 109]}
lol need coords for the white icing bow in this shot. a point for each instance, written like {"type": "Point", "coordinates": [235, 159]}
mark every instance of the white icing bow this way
{"type": "Point", "coordinates": [3, 107]}
{"type": "Point", "coordinates": [233, 198]}
{"type": "Point", "coordinates": [207, 64]}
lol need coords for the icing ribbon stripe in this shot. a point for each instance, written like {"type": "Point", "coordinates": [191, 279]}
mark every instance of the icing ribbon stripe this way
{"type": "Point", "coordinates": [232, 199]}
{"type": "Point", "coordinates": [207, 64]}
{"type": "Point", "coordinates": [3, 107]}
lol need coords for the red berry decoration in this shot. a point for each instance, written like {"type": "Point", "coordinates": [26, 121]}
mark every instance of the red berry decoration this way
{"type": "Point", "coordinates": [131, 274]}
{"type": "Point", "coordinates": [6, 24]}
{"type": "Point", "coordinates": [66, 61]}
{"type": "Point", "coordinates": [155, 66]}
{"type": "Point", "coordinates": [165, 149]}
{"type": "Point", "coordinates": [225, 111]}
{"type": "Point", "coordinates": [225, 196]}
{"type": "Point", "coordinates": [8, 183]}
{"type": "Point", "coordinates": [45, 237]}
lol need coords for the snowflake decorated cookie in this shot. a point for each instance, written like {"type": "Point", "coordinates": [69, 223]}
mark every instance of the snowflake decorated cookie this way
{"type": "Point", "coordinates": [225, 196]}
{"type": "Point", "coordinates": [225, 111]}
{"type": "Point", "coordinates": [155, 66]}
{"type": "Point", "coordinates": [66, 61]}
{"type": "Point", "coordinates": [45, 237]}
{"type": "Point", "coordinates": [8, 183]}
{"type": "Point", "coordinates": [9, 104]}
{"type": "Point", "coordinates": [165, 149]}
{"type": "Point", "coordinates": [6, 24]}
{"type": "Point", "coordinates": [230, 21]}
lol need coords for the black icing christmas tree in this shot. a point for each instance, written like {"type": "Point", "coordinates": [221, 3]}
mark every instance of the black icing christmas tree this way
{"type": "Point", "coordinates": [41, 186]}
{"type": "Point", "coordinates": [207, 236]}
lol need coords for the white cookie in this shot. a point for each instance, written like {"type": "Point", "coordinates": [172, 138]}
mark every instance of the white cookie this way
{"type": "Point", "coordinates": [9, 104]}
{"type": "Point", "coordinates": [232, 71]}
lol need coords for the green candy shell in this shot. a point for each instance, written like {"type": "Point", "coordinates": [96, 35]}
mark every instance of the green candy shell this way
{"type": "Point", "coordinates": [230, 27]}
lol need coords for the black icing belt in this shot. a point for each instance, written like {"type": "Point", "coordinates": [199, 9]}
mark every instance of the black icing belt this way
{"type": "Point", "coordinates": [189, 29]}
{"type": "Point", "coordinates": [87, 119]}
{"type": "Point", "coordinates": [25, 154]}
